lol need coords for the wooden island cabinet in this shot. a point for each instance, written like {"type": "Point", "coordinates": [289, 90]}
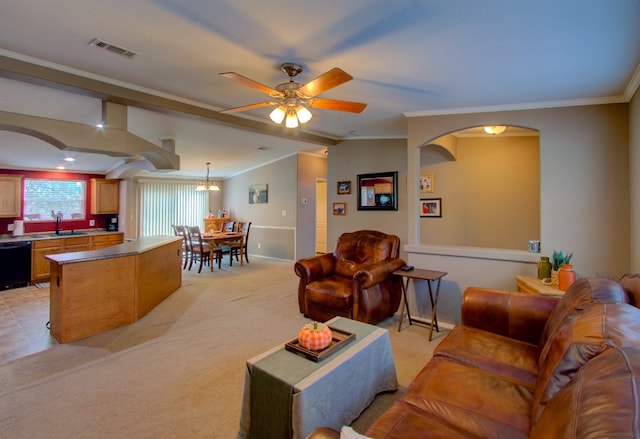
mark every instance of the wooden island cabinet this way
{"type": "Point", "coordinates": [98, 290]}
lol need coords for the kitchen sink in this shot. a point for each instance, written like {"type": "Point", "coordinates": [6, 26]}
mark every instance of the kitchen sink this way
{"type": "Point", "coordinates": [67, 233]}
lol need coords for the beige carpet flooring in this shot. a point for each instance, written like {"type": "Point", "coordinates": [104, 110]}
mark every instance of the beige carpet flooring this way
{"type": "Point", "coordinates": [179, 371]}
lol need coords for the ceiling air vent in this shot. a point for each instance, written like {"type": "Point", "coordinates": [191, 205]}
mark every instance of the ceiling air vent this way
{"type": "Point", "coordinates": [112, 48]}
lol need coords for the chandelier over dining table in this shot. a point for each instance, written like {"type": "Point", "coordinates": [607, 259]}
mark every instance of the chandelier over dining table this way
{"type": "Point", "coordinates": [207, 185]}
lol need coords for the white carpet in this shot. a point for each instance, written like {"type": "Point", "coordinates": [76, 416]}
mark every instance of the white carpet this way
{"type": "Point", "coordinates": [178, 372]}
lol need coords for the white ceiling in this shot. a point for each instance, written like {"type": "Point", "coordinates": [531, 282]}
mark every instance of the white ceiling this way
{"type": "Point", "coordinates": [407, 57]}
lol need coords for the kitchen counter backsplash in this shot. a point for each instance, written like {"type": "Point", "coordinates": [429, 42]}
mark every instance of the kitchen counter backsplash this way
{"type": "Point", "coordinates": [52, 235]}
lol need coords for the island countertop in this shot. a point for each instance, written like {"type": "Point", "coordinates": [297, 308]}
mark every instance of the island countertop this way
{"type": "Point", "coordinates": [128, 248]}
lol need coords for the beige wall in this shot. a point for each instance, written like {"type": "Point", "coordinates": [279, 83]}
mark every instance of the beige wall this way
{"type": "Point", "coordinates": [273, 224]}
{"type": "Point", "coordinates": [584, 171]}
{"type": "Point", "coordinates": [350, 158]}
{"type": "Point", "coordinates": [490, 193]}
{"type": "Point", "coordinates": [310, 169]}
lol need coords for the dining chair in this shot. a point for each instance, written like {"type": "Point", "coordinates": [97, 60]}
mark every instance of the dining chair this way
{"type": "Point", "coordinates": [200, 250]}
{"type": "Point", "coordinates": [186, 248]}
{"type": "Point", "coordinates": [234, 247]}
{"type": "Point", "coordinates": [229, 227]}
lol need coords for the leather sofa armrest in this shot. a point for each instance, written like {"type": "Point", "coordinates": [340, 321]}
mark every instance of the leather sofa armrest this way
{"type": "Point", "coordinates": [521, 316]}
{"type": "Point", "coordinates": [315, 267]}
{"type": "Point", "coordinates": [377, 272]}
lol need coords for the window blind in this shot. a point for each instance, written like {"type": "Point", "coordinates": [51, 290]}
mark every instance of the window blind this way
{"type": "Point", "coordinates": [165, 203]}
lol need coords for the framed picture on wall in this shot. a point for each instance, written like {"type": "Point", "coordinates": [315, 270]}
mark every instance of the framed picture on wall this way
{"type": "Point", "coordinates": [378, 191]}
{"type": "Point", "coordinates": [339, 208]}
{"type": "Point", "coordinates": [344, 187]}
{"type": "Point", "coordinates": [258, 194]}
{"type": "Point", "coordinates": [430, 207]}
{"type": "Point", "coordinates": [426, 183]}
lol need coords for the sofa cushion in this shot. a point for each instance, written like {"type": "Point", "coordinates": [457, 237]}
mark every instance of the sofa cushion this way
{"type": "Point", "coordinates": [402, 421]}
{"type": "Point", "coordinates": [579, 340]}
{"type": "Point", "coordinates": [601, 401]}
{"type": "Point", "coordinates": [583, 292]}
{"type": "Point", "coordinates": [506, 357]}
{"type": "Point", "coordinates": [333, 292]}
{"type": "Point", "coordinates": [358, 249]}
{"type": "Point", "coordinates": [471, 400]}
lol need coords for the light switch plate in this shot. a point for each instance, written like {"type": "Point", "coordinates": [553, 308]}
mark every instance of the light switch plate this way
{"type": "Point", "coordinates": [92, 223]}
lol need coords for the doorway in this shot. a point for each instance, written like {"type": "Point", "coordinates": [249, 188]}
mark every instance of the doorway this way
{"type": "Point", "coordinates": [321, 215]}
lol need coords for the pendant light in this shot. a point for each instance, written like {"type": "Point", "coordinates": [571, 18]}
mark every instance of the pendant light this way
{"type": "Point", "coordinates": [207, 185]}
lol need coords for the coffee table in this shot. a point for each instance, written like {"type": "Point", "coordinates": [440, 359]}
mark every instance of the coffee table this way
{"type": "Point", "coordinates": [287, 395]}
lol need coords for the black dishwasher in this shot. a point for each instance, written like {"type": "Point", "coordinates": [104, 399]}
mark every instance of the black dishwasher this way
{"type": "Point", "coordinates": [15, 264]}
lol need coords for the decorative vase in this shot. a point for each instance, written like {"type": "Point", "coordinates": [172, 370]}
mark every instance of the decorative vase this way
{"type": "Point", "coordinates": [544, 268]}
{"type": "Point", "coordinates": [566, 276]}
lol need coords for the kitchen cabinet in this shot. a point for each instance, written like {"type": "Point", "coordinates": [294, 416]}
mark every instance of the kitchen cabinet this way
{"type": "Point", "coordinates": [10, 196]}
{"type": "Point", "coordinates": [40, 265]}
{"type": "Point", "coordinates": [104, 196]}
{"type": "Point", "coordinates": [103, 241]}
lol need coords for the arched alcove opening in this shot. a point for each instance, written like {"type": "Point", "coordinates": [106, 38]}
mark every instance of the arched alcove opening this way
{"type": "Point", "coordinates": [486, 187]}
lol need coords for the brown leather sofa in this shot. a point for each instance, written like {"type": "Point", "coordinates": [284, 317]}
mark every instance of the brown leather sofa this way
{"type": "Point", "coordinates": [354, 281]}
{"type": "Point", "coordinates": [529, 366]}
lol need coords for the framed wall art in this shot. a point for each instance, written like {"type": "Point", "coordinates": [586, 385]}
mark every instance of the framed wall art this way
{"type": "Point", "coordinates": [430, 207]}
{"type": "Point", "coordinates": [339, 208]}
{"type": "Point", "coordinates": [344, 187]}
{"type": "Point", "coordinates": [426, 183]}
{"type": "Point", "coordinates": [258, 194]}
{"type": "Point", "coordinates": [378, 191]}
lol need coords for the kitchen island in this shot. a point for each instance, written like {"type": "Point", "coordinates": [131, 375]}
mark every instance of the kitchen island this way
{"type": "Point", "coordinates": [98, 290]}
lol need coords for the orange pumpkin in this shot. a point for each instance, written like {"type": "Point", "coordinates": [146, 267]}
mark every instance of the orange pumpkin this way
{"type": "Point", "coordinates": [314, 336]}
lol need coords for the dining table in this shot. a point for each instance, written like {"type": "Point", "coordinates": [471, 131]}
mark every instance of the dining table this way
{"type": "Point", "coordinates": [217, 238]}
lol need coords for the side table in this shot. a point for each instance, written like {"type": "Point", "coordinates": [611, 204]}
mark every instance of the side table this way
{"type": "Point", "coordinates": [533, 285]}
{"type": "Point", "coordinates": [421, 274]}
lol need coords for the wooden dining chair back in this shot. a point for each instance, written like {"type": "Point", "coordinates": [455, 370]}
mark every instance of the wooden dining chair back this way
{"type": "Point", "coordinates": [200, 250]}
{"type": "Point", "coordinates": [186, 248]}
{"type": "Point", "coordinates": [229, 227]}
{"type": "Point", "coordinates": [235, 247]}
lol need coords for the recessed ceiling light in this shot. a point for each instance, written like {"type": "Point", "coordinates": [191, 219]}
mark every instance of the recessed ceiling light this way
{"type": "Point", "coordinates": [60, 167]}
{"type": "Point", "coordinates": [69, 159]}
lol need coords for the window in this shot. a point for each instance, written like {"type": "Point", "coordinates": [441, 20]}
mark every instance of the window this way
{"type": "Point", "coordinates": [45, 199]}
{"type": "Point", "coordinates": [165, 203]}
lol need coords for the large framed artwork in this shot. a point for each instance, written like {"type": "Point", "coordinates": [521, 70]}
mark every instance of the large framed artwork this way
{"type": "Point", "coordinates": [258, 194]}
{"type": "Point", "coordinates": [378, 191]}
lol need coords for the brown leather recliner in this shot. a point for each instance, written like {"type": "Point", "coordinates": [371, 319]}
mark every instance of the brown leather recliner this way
{"type": "Point", "coordinates": [355, 281]}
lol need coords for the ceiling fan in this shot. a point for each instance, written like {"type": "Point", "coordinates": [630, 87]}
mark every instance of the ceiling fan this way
{"type": "Point", "coordinates": [293, 99]}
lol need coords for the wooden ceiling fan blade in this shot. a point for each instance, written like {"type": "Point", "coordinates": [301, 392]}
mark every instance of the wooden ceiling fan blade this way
{"type": "Point", "coordinates": [333, 104]}
{"type": "Point", "coordinates": [324, 82]}
{"type": "Point", "coordinates": [251, 83]}
{"type": "Point", "coordinates": [248, 107]}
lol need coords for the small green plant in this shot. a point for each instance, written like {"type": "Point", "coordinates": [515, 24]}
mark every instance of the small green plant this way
{"type": "Point", "coordinates": [558, 258]}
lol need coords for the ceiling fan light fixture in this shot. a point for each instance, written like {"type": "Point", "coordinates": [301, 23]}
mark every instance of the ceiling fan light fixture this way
{"type": "Point", "coordinates": [207, 185]}
{"type": "Point", "coordinates": [291, 120]}
{"type": "Point", "coordinates": [304, 115]}
{"type": "Point", "coordinates": [278, 114]}
{"type": "Point", "coordinates": [495, 129]}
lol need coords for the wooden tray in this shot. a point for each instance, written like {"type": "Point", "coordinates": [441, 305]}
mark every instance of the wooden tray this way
{"type": "Point", "coordinates": [339, 338]}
